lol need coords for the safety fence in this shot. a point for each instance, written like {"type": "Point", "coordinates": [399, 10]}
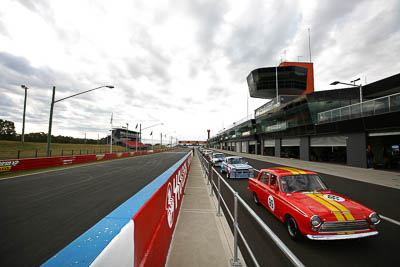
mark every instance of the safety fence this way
{"type": "Point", "coordinates": [138, 232]}
{"type": "Point", "coordinates": [209, 171]}
{"type": "Point", "coordinates": [377, 106]}
{"type": "Point", "coordinates": [13, 165]}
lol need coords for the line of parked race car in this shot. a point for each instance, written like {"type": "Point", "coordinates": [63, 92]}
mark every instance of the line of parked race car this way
{"type": "Point", "coordinates": [301, 200]}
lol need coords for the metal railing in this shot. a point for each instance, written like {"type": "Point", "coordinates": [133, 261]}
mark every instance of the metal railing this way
{"type": "Point", "coordinates": [209, 172]}
{"type": "Point", "coordinates": [372, 107]}
{"type": "Point", "coordinates": [236, 123]}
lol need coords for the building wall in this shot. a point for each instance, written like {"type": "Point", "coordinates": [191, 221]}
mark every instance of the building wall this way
{"type": "Point", "coordinates": [356, 150]}
{"type": "Point", "coordinates": [305, 148]}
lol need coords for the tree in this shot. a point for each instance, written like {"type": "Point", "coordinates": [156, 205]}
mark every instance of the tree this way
{"type": "Point", "coordinates": [7, 130]}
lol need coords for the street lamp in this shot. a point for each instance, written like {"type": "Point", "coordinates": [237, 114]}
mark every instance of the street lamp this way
{"type": "Point", "coordinates": [52, 107]}
{"type": "Point", "coordinates": [353, 83]}
{"type": "Point", "coordinates": [23, 118]}
{"type": "Point", "coordinates": [171, 137]}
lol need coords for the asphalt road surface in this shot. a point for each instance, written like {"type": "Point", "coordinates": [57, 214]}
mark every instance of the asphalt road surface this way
{"type": "Point", "coordinates": [380, 250]}
{"type": "Point", "coordinates": [42, 213]}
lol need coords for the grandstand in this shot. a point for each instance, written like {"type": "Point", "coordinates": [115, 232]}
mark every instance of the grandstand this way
{"type": "Point", "coordinates": [124, 137]}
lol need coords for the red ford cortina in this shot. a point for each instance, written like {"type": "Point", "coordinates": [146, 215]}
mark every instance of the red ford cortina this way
{"type": "Point", "coordinates": [300, 199]}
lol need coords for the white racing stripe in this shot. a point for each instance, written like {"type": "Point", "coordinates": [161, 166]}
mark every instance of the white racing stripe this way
{"type": "Point", "coordinates": [389, 220]}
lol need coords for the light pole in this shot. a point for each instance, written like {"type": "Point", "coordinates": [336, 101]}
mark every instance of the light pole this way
{"type": "Point", "coordinates": [171, 137]}
{"type": "Point", "coordinates": [52, 107]}
{"type": "Point", "coordinates": [111, 121]}
{"type": "Point", "coordinates": [353, 84]}
{"type": "Point", "coordinates": [23, 118]}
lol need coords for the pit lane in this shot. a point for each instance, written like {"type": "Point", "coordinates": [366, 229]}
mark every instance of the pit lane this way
{"type": "Point", "coordinates": [42, 213]}
{"type": "Point", "coordinates": [374, 251]}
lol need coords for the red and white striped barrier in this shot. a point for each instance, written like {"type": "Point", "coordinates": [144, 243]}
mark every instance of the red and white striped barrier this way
{"type": "Point", "coordinates": [38, 163]}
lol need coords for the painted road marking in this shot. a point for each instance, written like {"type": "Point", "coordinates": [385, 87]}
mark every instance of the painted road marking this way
{"type": "Point", "coordinates": [390, 220]}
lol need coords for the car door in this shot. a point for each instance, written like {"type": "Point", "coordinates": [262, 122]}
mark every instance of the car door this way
{"type": "Point", "coordinates": [274, 200]}
{"type": "Point", "coordinates": [262, 191]}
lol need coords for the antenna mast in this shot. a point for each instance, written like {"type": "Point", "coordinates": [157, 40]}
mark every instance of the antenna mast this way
{"type": "Point", "coordinates": [309, 43]}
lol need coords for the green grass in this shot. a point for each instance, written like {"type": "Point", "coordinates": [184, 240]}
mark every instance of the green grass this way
{"type": "Point", "coordinates": [9, 149]}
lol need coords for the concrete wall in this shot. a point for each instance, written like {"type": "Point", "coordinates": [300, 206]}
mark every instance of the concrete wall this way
{"type": "Point", "coordinates": [305, 148]}
{"type": "Point", "coordinates": [356, 150]}
{"type": "Point", "coordinates": [278, 148]}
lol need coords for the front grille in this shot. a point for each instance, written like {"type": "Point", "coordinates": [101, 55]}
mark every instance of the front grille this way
{"type": "Point", "coordinates": [346, 226]}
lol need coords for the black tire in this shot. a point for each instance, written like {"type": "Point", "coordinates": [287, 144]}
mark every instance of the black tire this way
{"type": "Point", "coordinates": [293, 228]}
{"type": "Point", "coordinates": [255, 199]}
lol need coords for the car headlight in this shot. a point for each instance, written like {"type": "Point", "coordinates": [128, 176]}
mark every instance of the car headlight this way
{"type": "Point", "coordinates": [315, 221]}
{"type": "Point", "coordinates": [374, 218]}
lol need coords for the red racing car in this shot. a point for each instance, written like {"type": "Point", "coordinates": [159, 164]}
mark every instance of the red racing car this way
{"type": "Point", "coordinates": [301, 200]}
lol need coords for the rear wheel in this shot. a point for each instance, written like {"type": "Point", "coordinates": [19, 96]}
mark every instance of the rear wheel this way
{"type": "Point", "coordinates": [292, 228]}
{"type": "Point", "coordinates": [255, 198]}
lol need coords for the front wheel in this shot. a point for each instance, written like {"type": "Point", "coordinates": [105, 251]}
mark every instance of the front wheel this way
{"type": "Point", "coordinates": [255, 198]}
{"type": "Point", "coordinates": [292, 228]}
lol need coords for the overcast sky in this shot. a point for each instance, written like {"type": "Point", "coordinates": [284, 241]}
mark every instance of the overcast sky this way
{"type": "Point", "coordinates": [182, 63]}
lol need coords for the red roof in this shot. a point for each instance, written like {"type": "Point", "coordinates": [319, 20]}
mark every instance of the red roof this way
{"type": "Point", "coordinates": [287, 171]}
{"type": "Point", "coordinates": [133, 143]}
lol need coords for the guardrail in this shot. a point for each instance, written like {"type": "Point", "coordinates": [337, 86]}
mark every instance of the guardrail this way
{"type": "Point", "coordinates": [138, 232]}
{"type": "Point", "coordinates": [14, 165]}
{"type": "Point", "coordinates": [376, 106]}
{"type": "Point", "coordinates": [209, 172]}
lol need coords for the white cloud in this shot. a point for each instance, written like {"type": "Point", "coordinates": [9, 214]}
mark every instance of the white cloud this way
{"type": "Point", "coordinates": [183, 63]}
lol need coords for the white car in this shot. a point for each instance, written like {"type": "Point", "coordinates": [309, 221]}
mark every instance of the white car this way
{"type": "Point", "coordinates": [237, 167]}
{"type": "Point", "coordinates": [217, 159]}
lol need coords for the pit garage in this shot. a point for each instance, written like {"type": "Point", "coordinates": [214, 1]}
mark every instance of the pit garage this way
{"type": "Point", "coordinates": [328, 148]}
{"type": "Point", "coordinates": [269, 147]}
{"type": "Point", "coordinates": [385, 148]}
{"type": "Point", "coordinates": [290, 148]}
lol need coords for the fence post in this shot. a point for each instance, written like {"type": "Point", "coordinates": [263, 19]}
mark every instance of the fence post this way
{"type": "Point", "coordinates": [19, 152]}
{"type": "Point", "coordinates": [208, 174]}
{"type": "Point", "coordinates": [87, 152]}
{"type": "Point", "coordinates": [72, 152]}
{"type": "Point", "coordinates": [219, 196]}
{"type": "Point", "coordinates": [235, 261]}
{"type": "Point", "coordinates": [36, 153]}
{"type": "Point", "coordinates": [62, 152]}
{"type": "Point", "coordinates": [80, 151]}
{"type": "Point", "coordinates": [211, 180]}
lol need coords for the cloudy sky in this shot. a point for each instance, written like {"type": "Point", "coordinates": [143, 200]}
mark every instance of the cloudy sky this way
{"type": "Point", "coordinates": [182, 63]}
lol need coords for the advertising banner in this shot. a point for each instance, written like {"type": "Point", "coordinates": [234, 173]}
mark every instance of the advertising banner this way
{"type": "Point", "coordinates": [38, 163]}
{"type": "Point", "coordinates": [155, 222]}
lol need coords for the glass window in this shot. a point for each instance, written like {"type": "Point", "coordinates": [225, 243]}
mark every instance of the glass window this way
{"type": "Point", "coordinates": [395, 102]}
{"type": "Point", "coordinates": [381, 105]}
{"type": "Point", "coordinates": [355, 111]}
{"type": "Point", "coordinates": [264, 177]}
{"type": "Point", "coordinates": [302, 183]}
{"type": "Point", "coordinates": [272, 180]}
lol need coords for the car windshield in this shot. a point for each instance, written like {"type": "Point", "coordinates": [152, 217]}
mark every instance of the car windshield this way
{"type": "Point", "coordinates": [237, 161]}
{"type": "Point", "coordinates": [302, 182]}
{"type": "Point", "coordinates": [218, 155]}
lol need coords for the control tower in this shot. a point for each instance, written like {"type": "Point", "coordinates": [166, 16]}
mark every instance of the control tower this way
{"type": "Point", "coordinates": [294, 79]}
